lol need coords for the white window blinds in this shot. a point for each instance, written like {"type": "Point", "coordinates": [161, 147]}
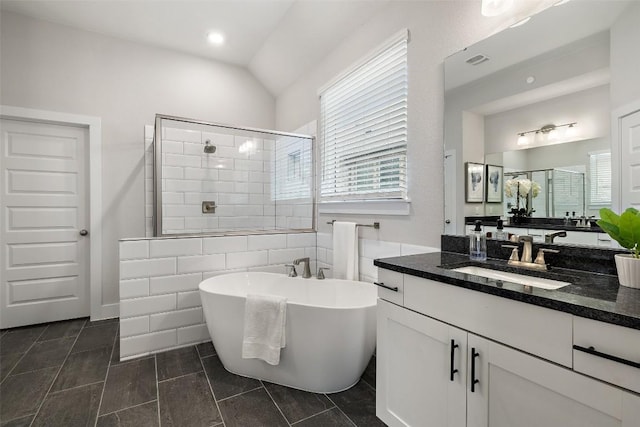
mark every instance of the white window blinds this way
{"type": "Point", "coordinates": [363, 125]}
{"type": "Point", "coordinates": [600, 178]}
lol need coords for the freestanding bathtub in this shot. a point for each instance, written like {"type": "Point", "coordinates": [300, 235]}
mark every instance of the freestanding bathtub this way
{"type": "Point", "coordinates": [330, 328]}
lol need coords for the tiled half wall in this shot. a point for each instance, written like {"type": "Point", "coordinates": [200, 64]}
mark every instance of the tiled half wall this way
{"type": "Point", "coordinates": [368, 250]}
{"type": "Point", "coordinates": [160, 306]}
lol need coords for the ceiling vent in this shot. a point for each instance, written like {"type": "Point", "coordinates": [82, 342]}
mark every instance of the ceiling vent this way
{"type": "Point", "coordinates": [476, 60]}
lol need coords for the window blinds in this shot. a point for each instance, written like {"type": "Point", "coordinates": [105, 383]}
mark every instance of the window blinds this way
{"type": "Point", "coordinates": [600, 178]}
{"type": "Point", "coordinates": [363, 125]}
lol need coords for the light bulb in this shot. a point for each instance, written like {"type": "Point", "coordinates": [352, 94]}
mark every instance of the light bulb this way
{"type": "Point", "coordinates": [523, 139]}
{"type": "Point", "coordinates": [571, 131]}
{"type": "Point", "coordinates": [552, 135]}
{"type": "Point", "coordinates": [495, 7]}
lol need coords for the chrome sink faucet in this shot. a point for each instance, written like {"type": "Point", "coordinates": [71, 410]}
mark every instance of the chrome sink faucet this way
{"type": "Point", "coordinates": [306, 272]}
{"type": "Point", "coordinates": [525, 261]}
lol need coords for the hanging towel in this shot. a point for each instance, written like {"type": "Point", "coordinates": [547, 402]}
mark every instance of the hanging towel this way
{"type": "Point", "coordinates": [264, 322]}
{"type": "Point", "coordinates": [345, 251]}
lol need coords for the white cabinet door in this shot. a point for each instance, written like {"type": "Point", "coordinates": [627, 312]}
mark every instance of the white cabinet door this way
{"type": "Point", "coordinates": [518, 390]}
{"type": "Point", "coordinates": [417, 383]}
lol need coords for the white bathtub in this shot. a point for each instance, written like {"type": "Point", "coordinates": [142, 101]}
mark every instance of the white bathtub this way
{"type": "Point", "coordinates": [330, 328]}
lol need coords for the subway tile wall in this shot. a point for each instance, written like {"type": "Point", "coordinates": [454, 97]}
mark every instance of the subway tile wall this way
{"type": "Point", "coordinates": [160, 306]}
{"type": "Point", "coordinates": [368, 250]}
{"type": "Point", "coordinates": [264, 186]}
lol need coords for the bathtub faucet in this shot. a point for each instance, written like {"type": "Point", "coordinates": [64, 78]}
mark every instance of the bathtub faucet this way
{"type": "Point", "coordinates": [306, 273]}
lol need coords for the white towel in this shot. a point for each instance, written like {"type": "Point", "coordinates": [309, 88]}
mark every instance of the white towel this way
{"type": "Point", "coordinates": [345, 251]}
{"type": "Point", "coordinates": [264, 322]}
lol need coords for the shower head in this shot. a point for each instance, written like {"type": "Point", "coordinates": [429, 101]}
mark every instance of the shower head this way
{"type": "Point", "coordinates": [208, 148]}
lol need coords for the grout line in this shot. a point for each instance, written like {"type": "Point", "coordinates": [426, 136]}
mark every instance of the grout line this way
{"type": "Point", "coordinates": [128, 407]}
{"type": "Point", "coordinates": [240, 394]}
{"type": "Point", "coordinates": [106, 375]}
{"type": "Point", "coordinates": [137, 359]}
{"type": "Point", "coordinates": [367, 383]}
{"type": "Point", "coordinates": [55, 378]}
{"type": "Point", "coordinates": [211, 389]}
{"type": "Point", "coordinates": [24, 354]}
{"type": "Point", "coordinates": [178, 377]}
{"type": "Point", "coordinates": [340, 409]}
{"type": "Point", "coordinates": [155, 364]}
{"type": "Point", "coordinates": [274, 402]}
{"type": "Point", "coordinates": [314, 415]}
{"type": "Point", "coordinates": [74, 387]}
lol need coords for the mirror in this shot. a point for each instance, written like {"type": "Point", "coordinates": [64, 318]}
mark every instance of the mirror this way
{"type": "Point", "coordinates": [533, 101]}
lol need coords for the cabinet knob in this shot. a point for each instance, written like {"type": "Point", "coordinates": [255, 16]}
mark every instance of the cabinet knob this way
{"type": "Point", "coordinates": [83, 232]}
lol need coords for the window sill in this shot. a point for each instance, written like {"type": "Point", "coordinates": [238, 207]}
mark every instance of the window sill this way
{"type": "Point", "coordinates": [366, 207]}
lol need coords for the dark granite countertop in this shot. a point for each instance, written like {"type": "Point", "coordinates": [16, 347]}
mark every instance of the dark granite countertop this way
{"type": "Point", "coordinates": [591, 295]}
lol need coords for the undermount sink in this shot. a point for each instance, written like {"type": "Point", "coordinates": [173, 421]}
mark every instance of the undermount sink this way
{"type": "Point", "coordinates": [537, 282]}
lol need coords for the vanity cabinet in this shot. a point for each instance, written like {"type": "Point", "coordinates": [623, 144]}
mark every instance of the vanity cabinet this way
{"type": "Point", "coordinates": [417, 383]}
{"type": "Point", "coordinates": [456, 357]}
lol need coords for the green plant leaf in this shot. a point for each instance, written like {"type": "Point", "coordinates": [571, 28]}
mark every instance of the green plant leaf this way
{"type": "Point", "coordinates": [610, 216]}
{"type": "Point", "coordinates": [624, 229]}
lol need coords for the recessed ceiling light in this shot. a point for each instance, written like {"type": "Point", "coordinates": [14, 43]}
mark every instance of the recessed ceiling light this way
{"type": "Point", "coordinates": [215, 38]}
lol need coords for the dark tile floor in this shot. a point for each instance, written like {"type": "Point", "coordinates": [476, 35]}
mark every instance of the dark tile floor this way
{"type": "Point", "coordinates": [68, 374]}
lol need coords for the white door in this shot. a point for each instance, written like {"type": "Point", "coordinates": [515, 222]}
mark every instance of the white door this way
{"type": "Point", "coordinates": [630, 160]}
{"type": "Point", "coordinates": [420, 372]}
{"type": "Point", "coordinates": [450, 196]}
{"type": "Point", "coordinates": [44, 251]}
{"type": "Point", "coordinates": [514, 389]}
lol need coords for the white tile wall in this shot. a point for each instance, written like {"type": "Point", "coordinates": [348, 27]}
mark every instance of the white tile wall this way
{"type": "Point", "coordinates": [368, 251]}
{"type": "Point", "coordinates": [160, 305]}
{"type": "Point", "coordinates": [239, 180]}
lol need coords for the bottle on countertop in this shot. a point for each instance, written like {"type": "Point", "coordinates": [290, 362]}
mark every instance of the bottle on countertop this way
{"type": "Point", "coordinates": [500, 233]}
{"type": "Point", "coordinates": [477, 244]}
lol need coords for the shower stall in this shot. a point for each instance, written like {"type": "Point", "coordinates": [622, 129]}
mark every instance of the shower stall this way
{"type": "Point", "coordinates": [563, 190]}
{"type": "Point", "coordinates": [219, 179]}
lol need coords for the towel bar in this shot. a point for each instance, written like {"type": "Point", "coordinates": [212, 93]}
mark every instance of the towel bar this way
{"type": "Point", "coordinates": [375, 225]}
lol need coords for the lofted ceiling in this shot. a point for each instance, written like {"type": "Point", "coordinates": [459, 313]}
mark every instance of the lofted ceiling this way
{"type": "Point", "coordinates": [277, 40]}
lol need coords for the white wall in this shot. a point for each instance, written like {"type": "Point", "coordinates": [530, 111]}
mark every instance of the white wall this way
{"type": "Point", "coordinates": [437, 29]}
{"type": "Point", "coordinates": [589, 108]}
{"type": "Point", "coordinates": [625, 61]}
{"type": "Point", "coordinates": [52, 67]}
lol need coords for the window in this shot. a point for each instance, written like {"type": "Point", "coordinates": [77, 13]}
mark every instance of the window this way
{"type": "Point", "coordinates": [364, 129]}
{"type": "Point", "coordinates": [600, 178]}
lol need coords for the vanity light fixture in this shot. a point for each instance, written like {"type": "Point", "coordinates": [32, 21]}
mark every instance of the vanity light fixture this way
{"type": "Point", "coordinates": [521, 22]}
{"type": "Point", "coordinates": [523, 139]}
{"type": "Point", "coordinates": [495, 7]}
{"type": "Point", "coordinates": [215, 38]}
{"type": "Point", "coordinates": [561, 2]}
{"type": "Point", "coordinates": [549, 131]}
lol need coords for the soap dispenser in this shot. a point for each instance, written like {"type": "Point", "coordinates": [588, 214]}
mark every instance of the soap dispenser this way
{"type": "Point", "coordinates": [478, 244]}
{"type": "Point", "coordinates": [500, 233]}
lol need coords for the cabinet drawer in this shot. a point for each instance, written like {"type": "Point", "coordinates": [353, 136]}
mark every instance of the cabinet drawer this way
{"type": "Point", "coordinates": [540, 331]}
{"type": "Point", "coordinates": [622, 344]}
{"type": "Point", "coordinates": [391, 279]}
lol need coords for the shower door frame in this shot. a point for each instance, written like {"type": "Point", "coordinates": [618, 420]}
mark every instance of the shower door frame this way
{"type": "Point", "coordinates": [157, 179]}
